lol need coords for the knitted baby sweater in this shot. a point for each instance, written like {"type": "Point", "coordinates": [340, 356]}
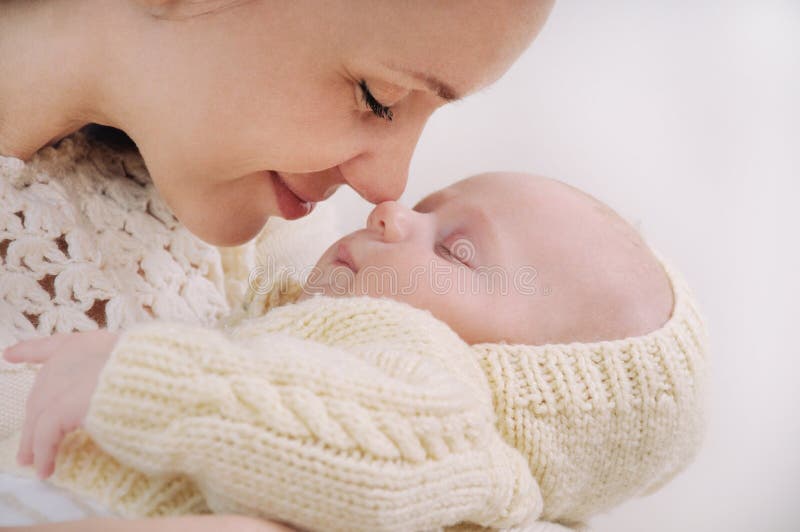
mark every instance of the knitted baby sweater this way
{"type": "Point", "coordinates": [368, 414]}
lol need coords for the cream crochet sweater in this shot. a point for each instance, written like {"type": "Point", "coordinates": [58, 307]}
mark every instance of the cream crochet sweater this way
{"type": "Point", "coordinates": [368, 414]}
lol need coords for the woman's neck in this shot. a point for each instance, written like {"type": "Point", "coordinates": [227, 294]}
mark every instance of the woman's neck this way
{"type": "Point", "coordinates": [49, 61]}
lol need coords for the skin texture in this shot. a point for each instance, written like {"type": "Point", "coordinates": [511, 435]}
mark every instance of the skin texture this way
{"type": "Point", "coordinates": [574, 270]}
{"type": "Point", "coordinates": [60, 396]}
{"type": "Point", "coordinates": [217, 93]}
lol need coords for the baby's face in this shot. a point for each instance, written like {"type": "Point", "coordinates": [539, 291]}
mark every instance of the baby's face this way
{"type": "Point", "coordinates": [498, 257]}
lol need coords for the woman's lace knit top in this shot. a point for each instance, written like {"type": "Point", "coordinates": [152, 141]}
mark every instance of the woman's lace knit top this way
{"type": "Point", "coordinates": [86, 242]}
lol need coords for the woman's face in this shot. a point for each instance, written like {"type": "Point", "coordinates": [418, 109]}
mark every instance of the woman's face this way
{"type": "Point", "coordinates": [264, 107]}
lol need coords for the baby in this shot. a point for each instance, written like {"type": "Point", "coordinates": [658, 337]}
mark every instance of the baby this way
{"type": "Point", "coordinates": [506, 257]}
{"type": "Point", "coordinates": [509, 350]}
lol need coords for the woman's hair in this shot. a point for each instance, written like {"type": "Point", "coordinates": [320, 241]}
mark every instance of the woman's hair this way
{"type": "Point", "coordinates": [114, 138]}
{"type": "Point", "coordinates": [182, 9]}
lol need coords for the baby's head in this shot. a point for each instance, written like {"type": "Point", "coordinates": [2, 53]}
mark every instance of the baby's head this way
{"type": "Point", "coordinates": [506, 257]}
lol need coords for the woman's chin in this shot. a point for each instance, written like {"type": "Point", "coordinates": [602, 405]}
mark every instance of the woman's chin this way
{"type": "Point", "coordinates": [230, 233]}
{"type": "Point", "coordinates": [236, 214]}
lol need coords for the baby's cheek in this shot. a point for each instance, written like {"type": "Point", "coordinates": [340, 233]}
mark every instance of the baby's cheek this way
{"type": "Point", "coordinates": [477, 315]}
{"type": "Point", "coordinates": [459, 309]}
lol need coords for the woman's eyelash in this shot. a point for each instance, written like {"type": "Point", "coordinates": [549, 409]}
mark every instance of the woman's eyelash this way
{"type": "Point", "coordinates": [377, 108]}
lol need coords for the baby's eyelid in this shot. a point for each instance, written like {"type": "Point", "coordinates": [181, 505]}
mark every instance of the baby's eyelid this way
{"type": "Point", "coordinates": [461, 248]}
{"type": "Point", "coordinates": [463, 255]}
{"type": "Point", "coordinates": [443, 251]}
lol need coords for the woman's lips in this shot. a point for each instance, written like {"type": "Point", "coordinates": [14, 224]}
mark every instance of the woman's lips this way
{"type": "Point", "coordinates": [290, 204]}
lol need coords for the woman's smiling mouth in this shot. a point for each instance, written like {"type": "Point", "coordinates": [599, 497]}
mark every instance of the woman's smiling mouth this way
{"type": "Point", "coordinates": [291, 205]}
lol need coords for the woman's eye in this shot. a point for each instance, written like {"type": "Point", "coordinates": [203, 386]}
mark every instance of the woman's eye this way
{"type": "Point", "coordinates": [377, 108]}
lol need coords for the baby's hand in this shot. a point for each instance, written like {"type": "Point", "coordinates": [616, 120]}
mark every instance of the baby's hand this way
{"type": "Point", "coordinates": [59, 399]}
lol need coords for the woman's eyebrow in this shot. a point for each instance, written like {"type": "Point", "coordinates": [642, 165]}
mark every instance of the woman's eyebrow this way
{"type": "Point", "coordinates": [440, 88]}
{"type": "Point", "coordinates": [434, 84]}
{"type": "Point", "coordinates": [481, 220]}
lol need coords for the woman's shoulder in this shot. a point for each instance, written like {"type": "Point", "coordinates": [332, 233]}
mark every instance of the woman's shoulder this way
{"type": "Point", "coordinates": [85, 238]}
{"type": "Point", "coordinates": [84, 182]}
{"type": "Point", "coordinates": [85, 160]}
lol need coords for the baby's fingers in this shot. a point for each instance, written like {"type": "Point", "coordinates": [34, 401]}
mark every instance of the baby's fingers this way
{"type": "Point", "coordinates": [47, 438]}
{"type": "Point", "coordinates": [37, 351]}
{"type": "Point", "coordinates": [32, 412]}
{"type": "Point", "coordinates": [35, 405]}
{"type": "Point", "coordinates": [25, 452]}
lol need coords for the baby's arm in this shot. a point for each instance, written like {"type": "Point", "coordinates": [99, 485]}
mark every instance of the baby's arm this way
{"type": "Point", "coordinates": [294, 429]}
{"type": "Point", "coordinates": [271, 425]}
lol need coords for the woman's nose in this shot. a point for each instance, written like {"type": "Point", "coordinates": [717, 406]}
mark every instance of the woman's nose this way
{"type": "Point", "coordinates": [391, 220]}
{"type": "Point", "coordinates": [373, 181]}
{"type": "Point", "coordinates": [380, 172]}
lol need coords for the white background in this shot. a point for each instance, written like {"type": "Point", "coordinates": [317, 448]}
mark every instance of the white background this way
{"type": "Point", "coordinates": [684, 116]}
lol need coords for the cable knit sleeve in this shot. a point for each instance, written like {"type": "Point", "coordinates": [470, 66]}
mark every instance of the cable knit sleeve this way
{"type": "Point", "coordinates": [359, 433]}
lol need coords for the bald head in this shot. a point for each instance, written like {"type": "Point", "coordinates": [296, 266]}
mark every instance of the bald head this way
{"type": "Point", "coordinates": [507, 258]}
{"type": "Point", "coordinates": [604, 282]}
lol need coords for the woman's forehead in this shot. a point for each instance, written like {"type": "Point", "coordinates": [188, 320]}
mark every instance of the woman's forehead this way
{"type": "Point", "coordinates": [439, 87]}
{"type": "Point", "coordinates": [460, 46]}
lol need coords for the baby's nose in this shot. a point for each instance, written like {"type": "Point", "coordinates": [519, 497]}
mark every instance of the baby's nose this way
{"type": "Point", "coordinates": [389, 219]}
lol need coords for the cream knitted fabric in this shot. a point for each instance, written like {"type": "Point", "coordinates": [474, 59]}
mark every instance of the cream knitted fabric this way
{"type": "Point", "coordinates": [333, 414]}
{"type": "Point", "coordinates": [365, 414]}
{"type": "Point", "coordinates": [602, 422]}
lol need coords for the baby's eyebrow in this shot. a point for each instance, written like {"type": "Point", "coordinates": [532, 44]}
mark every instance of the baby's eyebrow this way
{"type": "Point", "coordinates": [482, 220]}
{"type": "Point", "coordinates": [429, 203]}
